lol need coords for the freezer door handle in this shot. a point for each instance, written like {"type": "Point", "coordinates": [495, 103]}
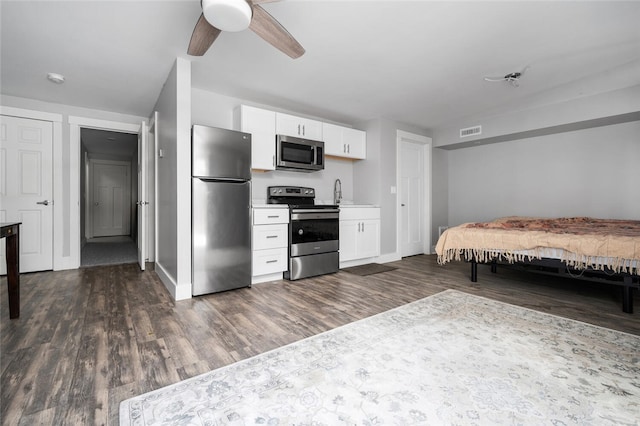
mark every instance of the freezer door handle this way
{"type": "Point", "coordinates": [229, 180]}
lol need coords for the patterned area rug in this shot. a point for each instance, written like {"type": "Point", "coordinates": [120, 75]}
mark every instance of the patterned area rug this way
{"type": "Point", "coordinates": [451, 358]}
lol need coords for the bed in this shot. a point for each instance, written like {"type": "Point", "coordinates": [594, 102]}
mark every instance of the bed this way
{"type": "Point", "coordinates": [587, 248]}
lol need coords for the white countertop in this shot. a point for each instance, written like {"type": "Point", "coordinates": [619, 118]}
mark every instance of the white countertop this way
{"type": "Point", "coordinates": [360, 206]}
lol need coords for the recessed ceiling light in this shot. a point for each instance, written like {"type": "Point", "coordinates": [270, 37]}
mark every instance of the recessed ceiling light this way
{"type": "Point", "coordinates": [55, 77]}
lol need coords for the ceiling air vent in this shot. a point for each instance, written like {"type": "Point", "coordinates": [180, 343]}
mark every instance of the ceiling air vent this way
{"type": "Point", "coordinates": [470, 131]}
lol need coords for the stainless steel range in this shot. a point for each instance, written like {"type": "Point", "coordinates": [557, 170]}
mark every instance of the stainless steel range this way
{"type": "Point", "coordinates": [313, 232]}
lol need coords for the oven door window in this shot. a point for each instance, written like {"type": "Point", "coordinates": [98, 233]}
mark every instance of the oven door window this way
{"type": "Point", "coordinates": [309, 231]}
{"type": "Point", "coordinates": [296, 153]}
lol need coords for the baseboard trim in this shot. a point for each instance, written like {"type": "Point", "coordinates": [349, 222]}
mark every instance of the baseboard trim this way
{"type": "Point", "coordinates": [389, 257]}
{"type": "Point", "coordinates": [178, 292]}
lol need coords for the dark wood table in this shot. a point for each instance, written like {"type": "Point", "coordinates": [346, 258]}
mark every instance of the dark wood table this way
{"type": "Point", "coordinates": [11, 232]}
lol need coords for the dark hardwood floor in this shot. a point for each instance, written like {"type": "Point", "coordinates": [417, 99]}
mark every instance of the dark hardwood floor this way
{"type": "Point", "coordinates": [87, 339]}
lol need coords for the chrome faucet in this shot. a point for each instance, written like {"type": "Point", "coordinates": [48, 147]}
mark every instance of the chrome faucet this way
{"type": "Point", "coordinates": [337, 191]}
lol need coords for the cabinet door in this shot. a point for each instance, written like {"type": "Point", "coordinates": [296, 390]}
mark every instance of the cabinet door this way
{"type": "Point", "coordinates": [369, 239]}
{"type": "Point", "coordinates": [261, 124]}
{"type": "Point", "coordinates": [348, 238]}
{"type": "Point", "coordinates": [297, 126]}
{"type": "Point", "coordinates": [311, 129]}
{"type": "Point", "coordinates": [332, 137]}
{"type": "Point", "coordinates": [356, 143]}
{"type": "Point", "coordinates": [344, 142]}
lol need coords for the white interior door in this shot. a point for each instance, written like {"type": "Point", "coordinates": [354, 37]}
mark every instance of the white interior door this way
{"type": "Point", "coordinates": [111, 193]}
{"type": "Point", "coordinates": [26, 189]}
{"type": "Point", "coordinates": [142, 195]}
{"type": "Point", "coordinates": [411, 198]}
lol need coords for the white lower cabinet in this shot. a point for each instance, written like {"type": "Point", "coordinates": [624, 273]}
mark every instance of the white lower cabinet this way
{"type": "Point", "coordinates": [270, 243]}
{"type": "Point", "coordinates": [359, 233]}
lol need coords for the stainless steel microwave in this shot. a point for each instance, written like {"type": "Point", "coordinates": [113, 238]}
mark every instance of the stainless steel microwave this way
{"type": "Point", "coordinates": [299, 154]}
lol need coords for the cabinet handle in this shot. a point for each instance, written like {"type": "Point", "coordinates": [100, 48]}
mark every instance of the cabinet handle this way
{"type": "Point", "coordinates": [272, 236]}
{"type": "Point", "coordinates": [273, 158]}
{"type": "Point", "coordinates": [303, 130]}
{"type": "Point", "coordinates": [272, 261]}
{"type": "Point", "coordinates": [358, 226]}
{"type": "Point", "coordinates": [273, 217]}
{"type": "Point", "coordinates": [298, 129]}
{"type": "Point", "coordinates": [344, 148]}
{"type": "Point", "coordinates": [362, 226]}
{"type": "Point", "coordinates": [348, 148]}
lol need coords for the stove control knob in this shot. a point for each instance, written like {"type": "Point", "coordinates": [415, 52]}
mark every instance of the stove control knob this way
{"type": "Point", "coordinates": [300, 231]}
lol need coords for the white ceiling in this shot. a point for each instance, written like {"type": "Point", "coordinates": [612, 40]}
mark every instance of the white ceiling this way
{"type": "Point", "coordinates": [416, 62]}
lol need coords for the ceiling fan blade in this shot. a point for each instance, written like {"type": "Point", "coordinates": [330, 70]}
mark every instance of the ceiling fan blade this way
{"type": "Point", "coordinates": [204, 34]}
{"type": "Point", "coordinates": [262, 1]}
{"type": "Point", "coordinates": [274, 33]}
{"type": "Point", "coordinates": [493, 79]}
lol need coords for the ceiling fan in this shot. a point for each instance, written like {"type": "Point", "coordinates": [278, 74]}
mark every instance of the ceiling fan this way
{"type": "Point", "coordinates": [512, 78]}
{"type": "Point", "coordinates": [238, 15]}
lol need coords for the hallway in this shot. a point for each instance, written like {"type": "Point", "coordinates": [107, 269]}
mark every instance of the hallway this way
{"type": "Point", "coordinates": [109, 251]}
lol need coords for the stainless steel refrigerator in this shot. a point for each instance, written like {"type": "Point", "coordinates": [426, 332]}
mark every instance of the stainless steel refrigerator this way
{"type": "Point", "coordinates": [221, 211]}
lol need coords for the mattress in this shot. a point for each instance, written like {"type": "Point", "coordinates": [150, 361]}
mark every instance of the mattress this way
{"type": "Point", "coordinates": [601, 244]}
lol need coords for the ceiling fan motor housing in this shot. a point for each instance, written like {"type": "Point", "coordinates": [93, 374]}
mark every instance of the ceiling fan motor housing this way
{"type": "Point", "coordinates": [227, 15]}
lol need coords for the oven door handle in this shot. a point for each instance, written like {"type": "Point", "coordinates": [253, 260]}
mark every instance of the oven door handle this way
{"type": "Point", "coordinates": [317, 214]}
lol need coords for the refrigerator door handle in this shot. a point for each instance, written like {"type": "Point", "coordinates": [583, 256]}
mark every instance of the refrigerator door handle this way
{"type": "Point", "coordinates": [228, 180]}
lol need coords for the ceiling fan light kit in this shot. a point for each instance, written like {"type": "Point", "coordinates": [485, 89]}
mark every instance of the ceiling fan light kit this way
{"type": "Point", "coordinates": [237, 15]}
{"type": "Point", "coordinates": [227, 15]}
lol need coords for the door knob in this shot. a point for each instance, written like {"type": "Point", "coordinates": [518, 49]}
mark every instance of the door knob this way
{"type": "Point", "coordinates": [96, 203]}
{"type": "Point", "coordinates": [45, 202]}
{"type": "Point", "coordinates": [402, 205]}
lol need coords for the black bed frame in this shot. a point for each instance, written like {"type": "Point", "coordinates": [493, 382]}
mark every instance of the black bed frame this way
{"type": "Point", "coordinates": [556, 267]}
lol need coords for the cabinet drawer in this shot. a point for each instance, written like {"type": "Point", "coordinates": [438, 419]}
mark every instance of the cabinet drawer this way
{"type": "Point", "coordinates": [270, 236]}
{"type": "Point", "coordinates": [269, 216]}
{"type": "Point", "coordinates": [269, 261]}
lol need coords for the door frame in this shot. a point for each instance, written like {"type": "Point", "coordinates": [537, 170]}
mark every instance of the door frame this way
{"type": "Point", "coordinates": [75, 151]}
{"type": "Point", "coordinates": [60, 261]}
{"type": "Point", "coordinates": [427, 144]}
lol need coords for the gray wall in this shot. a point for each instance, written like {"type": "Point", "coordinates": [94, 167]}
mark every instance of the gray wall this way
{"type": "Point", "coordinates": [66, 157]}
{"type": "Point", "coordinates": [440, 191]}
{"type": "Point", "coordinates": [173, 174]}
{"type": "Point", "coordinates": [374, 178]}
{"type": "Point", "coordinates": [166, 173]}
{"type": "Point", "coordinates": [173, 171]}
{"type": "Point", "coordinates": [592, 172]}
{"type": "Point", "coordinates": [363, 182]}
{"type": "Point", "coordinates": [212, 109]}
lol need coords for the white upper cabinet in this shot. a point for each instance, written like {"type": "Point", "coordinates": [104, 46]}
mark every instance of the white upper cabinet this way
{"type": "Point", "coordinates": [261, 123]}
{"type": "Point", "coordinates": [345, 142]}
{"type": "Point", "coordinates": [291, 125]}
{"type": "Point", "coordinates": [264, 125]}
